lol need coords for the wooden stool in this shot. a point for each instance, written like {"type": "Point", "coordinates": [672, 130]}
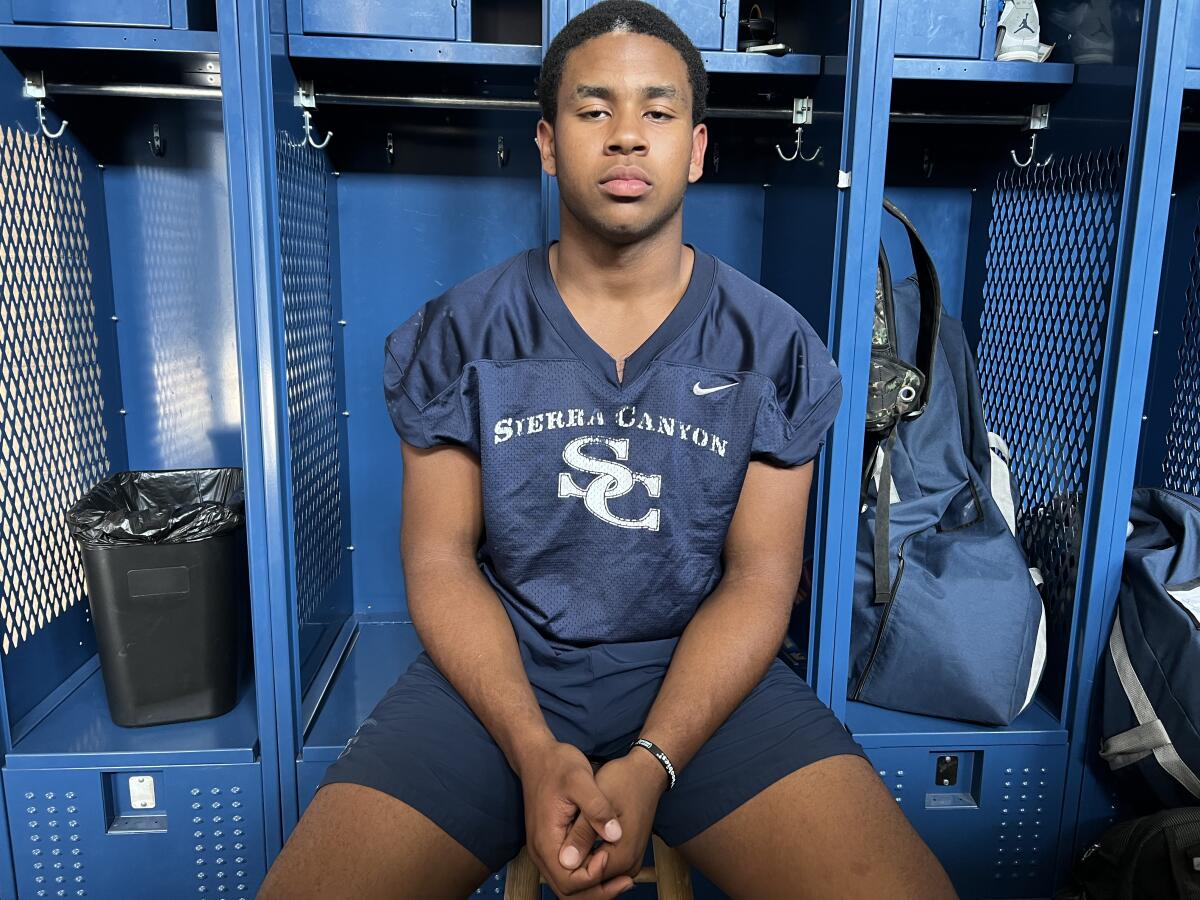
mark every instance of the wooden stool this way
{"type": "Point", "coordinates": [670, 872]}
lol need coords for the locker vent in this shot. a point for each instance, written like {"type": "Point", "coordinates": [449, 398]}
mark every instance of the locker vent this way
{"type": "Point", "coordinates": [1047, 298]}
{"type": "Point", "coordinates": [311, 386]}
{"type": "Point", "coordinates": [52, 828]}
{"type": "Point", "coordinates": [222, 847]}
{"type": "Point", "coordinates": [52, 434]}
{"type": "Point", "coordinates": [1181, 468]}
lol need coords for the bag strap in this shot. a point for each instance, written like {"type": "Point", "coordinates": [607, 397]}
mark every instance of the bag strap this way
{"type": "Point", "coordinates": [1149, 736]}
{"type": "Point", "coordinates": [883, 510]}
{"type": "Point", "coordinates": [931, 306]}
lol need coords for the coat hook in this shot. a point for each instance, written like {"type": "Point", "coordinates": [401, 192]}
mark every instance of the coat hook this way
{"type": "Point", "coordinates": [391, 150]}
{"type": "Point", "coordinates": [797, 152]}
{"type": "Point", "coordinates": [157, 147]}
{"type": "Point", "coordinates": [716, 159]}
{"type": "Point", "coordinates": [41, 117]}
{"type": "Point", "coordinates": [501, 153]}
{"type": "Point", "coordinates": [802, 114]}
{"type": "Point", "coordinates": [1029, 159]}
{"type": "Point", "coordinates": [308, 133]}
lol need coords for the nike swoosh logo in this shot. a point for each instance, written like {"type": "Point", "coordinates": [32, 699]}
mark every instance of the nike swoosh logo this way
{"type": "Point", "coordinates": [701, 391]}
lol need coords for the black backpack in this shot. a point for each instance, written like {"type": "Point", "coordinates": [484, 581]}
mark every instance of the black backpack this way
{"type": "Point", "coordinates": [1152, 858]}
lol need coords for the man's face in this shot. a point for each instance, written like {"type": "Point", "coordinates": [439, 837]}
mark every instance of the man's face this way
{"type": "Point", "coordinates": [623, 147]}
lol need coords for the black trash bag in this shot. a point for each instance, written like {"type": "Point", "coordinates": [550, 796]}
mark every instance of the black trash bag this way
{"type": "Point", "coordinates": [173, 507]}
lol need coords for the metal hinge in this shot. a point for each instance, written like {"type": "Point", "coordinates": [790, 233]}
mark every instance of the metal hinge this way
{"type": "Point", "coordinates": [724, 5]}
{"type": "Point", "coordinates": [983, 11]}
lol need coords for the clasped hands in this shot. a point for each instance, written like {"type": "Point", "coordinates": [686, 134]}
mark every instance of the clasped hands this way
{"type": "Point", "coordinates": [567, 808]}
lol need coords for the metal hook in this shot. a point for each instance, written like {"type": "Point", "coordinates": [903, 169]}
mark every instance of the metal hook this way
{"type": "Point", "coordinates": [308, 133]}
{"type": "Point", "coordinates": [157, 146]}
{"type": "Point", "coordinates": [390, 147]}
{"type": "Point", "coordinates": [797, 154]}
{"type": "Point", "coordinates": [501, 153]}
{"type": "Point", "coordinates": [41, 117]}
{"type": "Point", "coordinates": [1029, 159]}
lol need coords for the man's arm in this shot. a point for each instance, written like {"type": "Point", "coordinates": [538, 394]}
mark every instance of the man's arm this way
{"type": "Point", "coordinates": [456, 612]}
{"type": "Point", "coordinates": [467, 633]}
{"type": "Point", "coordinates": [728, 645]}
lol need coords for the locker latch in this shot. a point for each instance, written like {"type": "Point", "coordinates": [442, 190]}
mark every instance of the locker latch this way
{"type": "Point", "coordinates": [947, 771]}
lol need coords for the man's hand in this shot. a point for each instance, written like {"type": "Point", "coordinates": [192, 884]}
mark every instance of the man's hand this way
{"type": "Point", "coordinates": [560, 790]}
{"type": "Point", "coordinates": [633, 785]}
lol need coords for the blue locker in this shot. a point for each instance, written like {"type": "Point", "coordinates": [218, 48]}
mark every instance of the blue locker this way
{"type": "Point", "coordinates": [125, 350]}
{"type": "Point", "coordinates": [423, 20]}
{"type": "Point", "coordinates": [176, 14]}
{"type": "Point", "coordinates": [940, 29]}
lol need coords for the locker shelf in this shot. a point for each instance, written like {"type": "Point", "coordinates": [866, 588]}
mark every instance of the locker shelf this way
{"type": "Point", "coordinates": [1191, 80]}
{"type": "Point", "coordinates": [53, 37]}
{"type": "Point", "coordinates": [78, 732]}
{"type": "Point", "coordinates": [874, 726]}
{"type": "Point", "coordinates": [909, 68]}
{"type": "Point", "coordinates": [393, 50]}
{"type": "Point", "coordinates": [377, 654]}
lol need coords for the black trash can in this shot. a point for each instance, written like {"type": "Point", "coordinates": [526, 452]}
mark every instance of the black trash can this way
{"type": "Point", "coordinates": [164, 555]}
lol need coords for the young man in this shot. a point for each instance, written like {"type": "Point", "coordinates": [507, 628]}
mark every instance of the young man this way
{"type": "Point", "coordinates": [607, 448]}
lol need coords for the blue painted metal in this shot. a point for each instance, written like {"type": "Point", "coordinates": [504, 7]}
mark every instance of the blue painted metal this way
{"type": "Point", "coordinates": [876, 727]}
{"type": "Point", "coordinates": [985, 70]}
{"type": "Point", "coordinates": [241, 75]}
{"type": "Point", "coordinates": [1191, 80]}
{"type": "Point", "coordinates": [416, 19]}
{"type": "Point", "coordinates": [70, 838]}
{"type": "Point", "coordinates": [142, 13]}
{"type": "Point", "coordinates": [173, 284]}
{"type": "Point", "coordinates": [940, 29]}
{"type": "Point", "coordinates": [1137, 275]}
{"type": "Point", "coordinates": [413, 51]}
{"type": "Point", "coordinates": [100, 38]}
{"type": "Point", "coordinates": [995, 830]}
{"type": "Point", "coordinates": [316, 430]}
{"type": "Point", "coordinates": [1191, 27]}
{"type": "Point", "coordinates": [868, 103]}
{"type": "Point", "coordinates": [761, 64]}
{"type": "Point", "coordinates": [79, 732]}
{"type": "Point", "coordinates": [247, 57]}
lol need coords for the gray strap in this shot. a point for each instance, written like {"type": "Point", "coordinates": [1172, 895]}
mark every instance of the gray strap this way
{"type": "Point", "coordinates": [1134, 745]}
{"type": "Point", "coordinates": [1164, 751]}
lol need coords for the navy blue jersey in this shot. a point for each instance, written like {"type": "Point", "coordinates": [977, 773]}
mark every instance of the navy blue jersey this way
{"type": "Point", "coordinates": [606, 503]}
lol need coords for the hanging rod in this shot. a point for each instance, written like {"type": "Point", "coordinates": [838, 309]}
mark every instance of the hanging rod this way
{"type": "Point", "coordinates": [418, 101]}
{"type": "Point", "coordinates": [141, 91]}
{"type": "Point", "coordinates": [433, 101]}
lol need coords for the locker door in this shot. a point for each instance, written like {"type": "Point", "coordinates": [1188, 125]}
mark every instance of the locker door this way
{"type": "Point", "coordinates": [154, 13]}
{"type": "Point", "coordinates": [939, 28]}
{"type": "Point", "coordinates": [417, 19]}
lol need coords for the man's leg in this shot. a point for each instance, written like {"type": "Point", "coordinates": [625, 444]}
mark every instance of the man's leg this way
{"type": "Point", "coordinates": [422, 803]}
{"type": "Point", "coordinates": [355, 842]}
{"type": "Point", "coordinates": [830, 829]}
{"type": "Point", "coordinates": [780, 802]}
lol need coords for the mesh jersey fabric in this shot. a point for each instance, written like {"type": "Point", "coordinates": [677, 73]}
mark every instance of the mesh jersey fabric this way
{"type": "Point", "coordinates": [606, 503]}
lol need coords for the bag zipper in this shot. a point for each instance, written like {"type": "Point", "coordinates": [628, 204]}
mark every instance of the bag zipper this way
{"type": "Point", "coordinates": [883, 619]}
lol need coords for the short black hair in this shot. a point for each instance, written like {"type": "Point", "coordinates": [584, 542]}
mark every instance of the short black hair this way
{"type": "Point", "coordinates": [632, 16]}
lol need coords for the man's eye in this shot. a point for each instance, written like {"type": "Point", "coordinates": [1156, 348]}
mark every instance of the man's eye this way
{"type": "Point", "coordinates": [594, 113]}
{"type": "Point", "coordinates": [659, 115]}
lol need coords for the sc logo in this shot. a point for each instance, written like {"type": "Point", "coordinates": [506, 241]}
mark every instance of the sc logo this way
{"type": "Point", "coordinates": [611, 480]}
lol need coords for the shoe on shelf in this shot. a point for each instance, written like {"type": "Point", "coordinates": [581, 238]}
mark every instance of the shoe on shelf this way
{"type": "Point", "coordinates": [1018, 37]}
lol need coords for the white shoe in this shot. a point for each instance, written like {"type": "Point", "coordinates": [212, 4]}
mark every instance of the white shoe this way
{"type": "Point", "coordinates": [1019, 35]}
{"type": "Point", "coordinates": [1089, 30]}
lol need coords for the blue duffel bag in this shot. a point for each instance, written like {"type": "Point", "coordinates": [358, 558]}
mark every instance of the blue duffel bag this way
{"type": "Point", "coordinates": [1151, 711]}
{"type": "Point", "coordinates": [948, 619]}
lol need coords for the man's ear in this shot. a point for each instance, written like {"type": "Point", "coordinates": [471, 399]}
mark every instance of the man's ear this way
{"type": "Point", "coordinates": [545, 142]}
{"type": "Point", "coordinates": [699, 146]}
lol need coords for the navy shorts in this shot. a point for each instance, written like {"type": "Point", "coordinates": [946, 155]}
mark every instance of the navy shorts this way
{"type": "Point", "coordinates": [423, 745]}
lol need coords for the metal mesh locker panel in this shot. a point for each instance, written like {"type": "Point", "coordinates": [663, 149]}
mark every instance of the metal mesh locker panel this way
{"type": "Point", "coordinates": [1181, 468]}
{"type": "Point", "coordinates": [311, 386]}
{"type": "Point", "coordinates": [1047, 300]}
{"type": "Point", "coordinates": [52, 433]}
